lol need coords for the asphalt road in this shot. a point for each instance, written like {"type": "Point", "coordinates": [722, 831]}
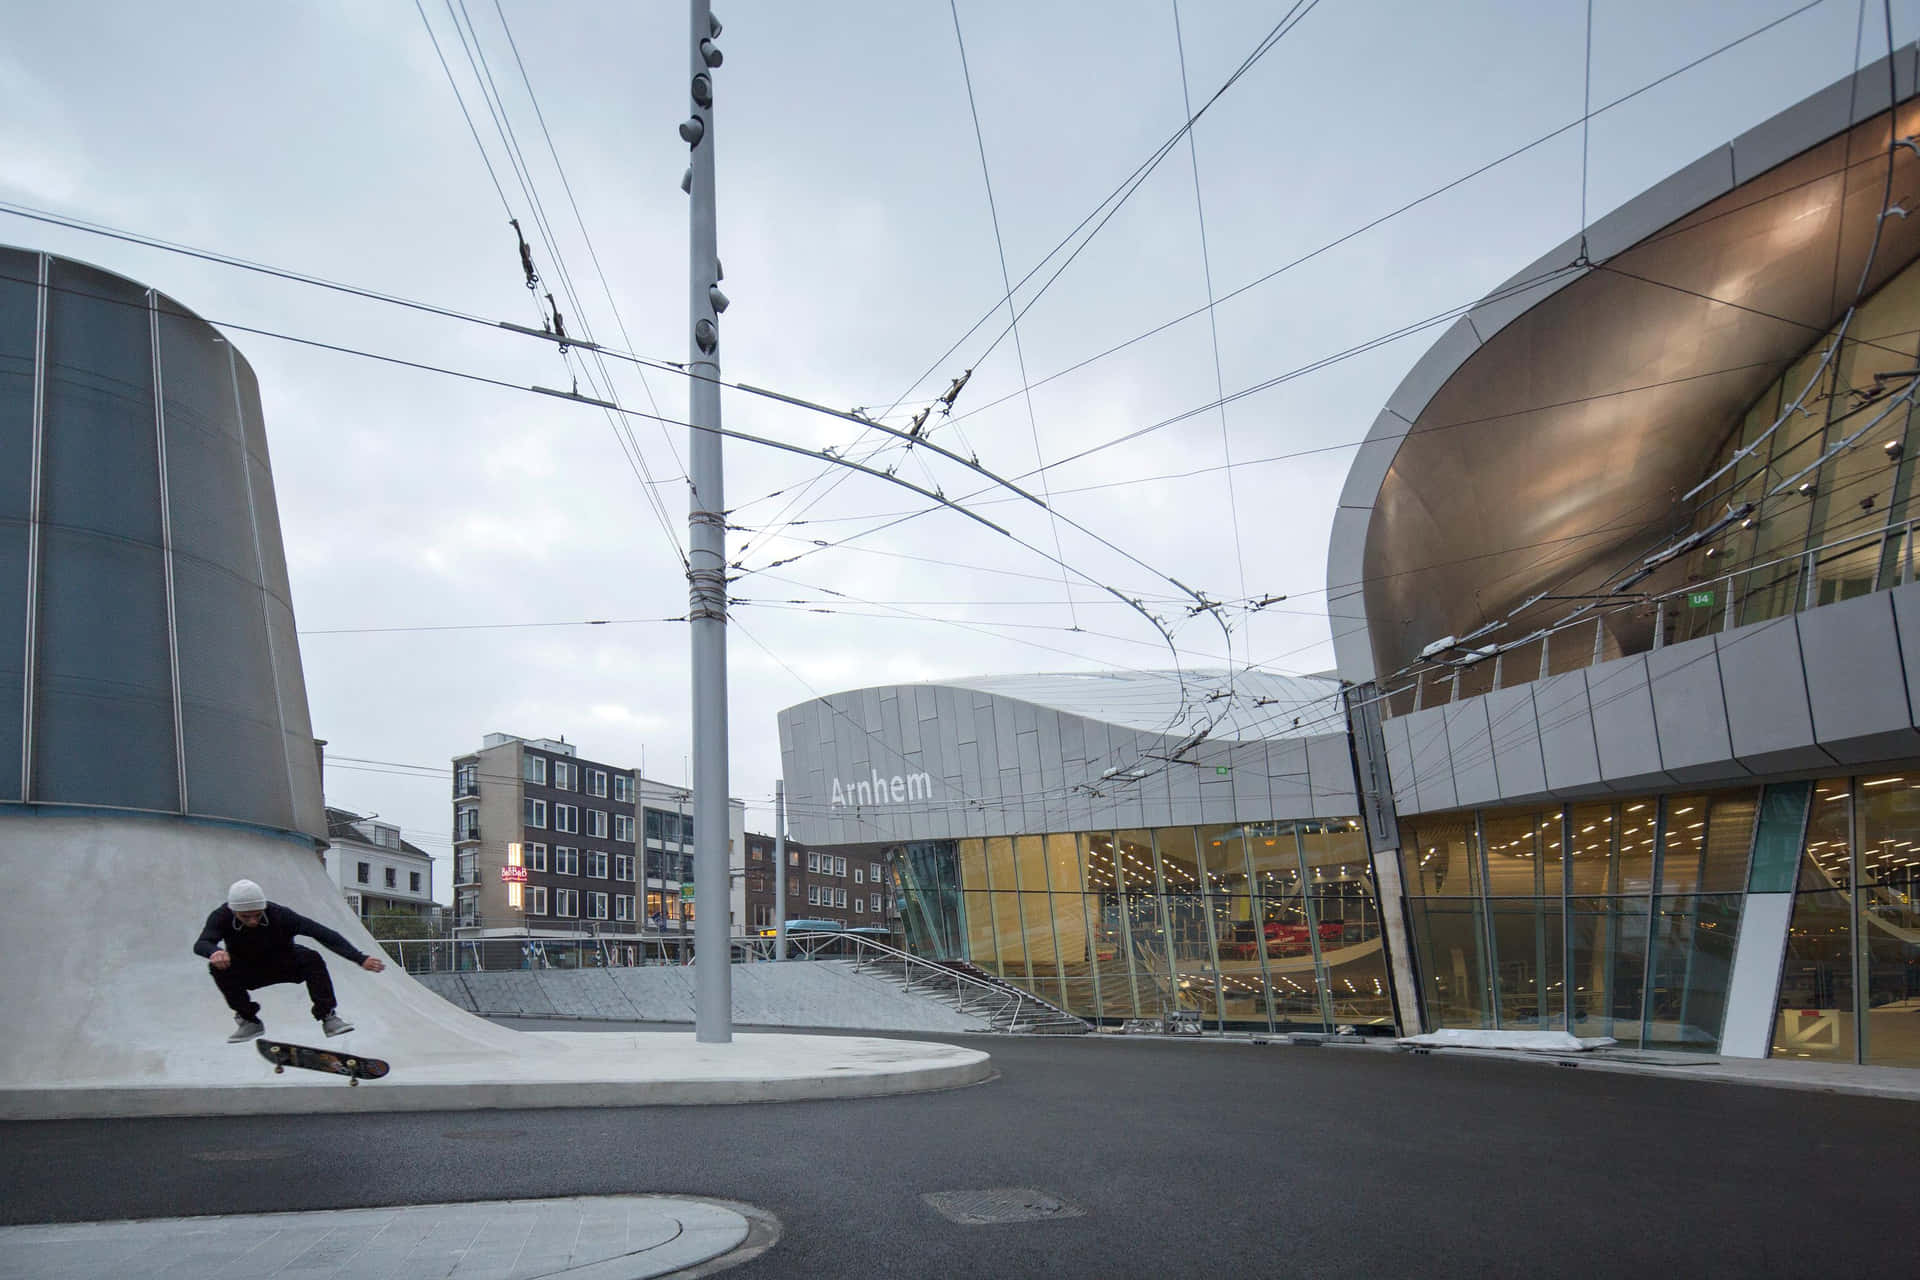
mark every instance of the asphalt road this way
{"type": "Point", "coordinates": [1189, 1159]}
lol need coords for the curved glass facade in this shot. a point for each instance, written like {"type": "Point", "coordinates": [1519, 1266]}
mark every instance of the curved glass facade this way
{"type": "Point", "coordinates": [1254, 925]}
{"type": "Point", "coordinates": [1614, 918]}
{"type": "Point", "coordinates": [147, 651]}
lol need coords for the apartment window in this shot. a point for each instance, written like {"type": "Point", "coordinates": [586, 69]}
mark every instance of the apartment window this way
{"type": "Point", "coordinates": [793, 857]}
{"type": "Point", "coordinates": [536, 899]}
{"type": "Point", "coordinates": [839, 897]}
{"type": "Point", "coordinates": [566, 862]}
{"type": "Point", "coordinates": [596, 864]}
{"type": "Point", "coordinates": [597, 823]}
{"type": "Point", "coordinates": [566, 817]}
{"type": "Point", "coordinates": [623, 867]}
{"type": "Point", "coordinates": [756, 853]}
{"type": "Point", "coordinates": [533, 769]}
{"type": "Point", "coordinates": [597, 782]}
{"type": "Point", "coordinates": [566, 902]}
{"type": "Point", "coordinates": [623, 906]}
{"type": "Point", "coordinates": [413, 882]}
{"type": "Point", "coordinates": [876, 904]}
{"type": "Point", "coordinates": [623, 788]}
{"type": "Point", "coordinates": [566, 775]}
{"type": "Point", "coordinates": [623, 827]}
{"type": "Point", "coordinates": [534, 812]}
{"type": "Point", "coordinates": [762, 916]}
{"type": "Point", "coordinates": [466, 867]}
{"type": "Point", "coordinates": [873, 872]}
{"type": "Point", "coordinates": [597, 906]}
{"type": "Point", "coordinates": [858, 878]}
{"type": "Point", "coordinates": [840, 866]}
{"type": "Point", "coordinates": [813, 862]}
{"type": "Point", "coordinates": [363, 872]}
{"type": "Point", "coordinates": [859, 906]}
{"type": "Point", "coordinates": [535, 857]}
{"type": "Point", "coordinates": [466, 822]}
{"type": "Point", "coordinates": [793, 888]}
{"type": "Point", "coordinates": [813, 895]}
{"type": "Point", "coordinates": [393, 878]}
{"type": "Point", "coordinates": [466, 780]}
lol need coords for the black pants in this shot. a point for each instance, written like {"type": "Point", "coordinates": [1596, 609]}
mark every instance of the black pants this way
{"type": "Point", "coordinates": [238, 978]}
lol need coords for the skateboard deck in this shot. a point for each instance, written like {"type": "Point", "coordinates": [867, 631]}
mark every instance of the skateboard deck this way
{"type": "Point", "coordinates": [356, 1067]}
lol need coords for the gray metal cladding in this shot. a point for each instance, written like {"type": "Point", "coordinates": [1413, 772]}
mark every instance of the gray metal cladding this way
{"type": "Point", "coordinates": [990, 764]}
{"type": "Point", "coordinates": [148, 655]}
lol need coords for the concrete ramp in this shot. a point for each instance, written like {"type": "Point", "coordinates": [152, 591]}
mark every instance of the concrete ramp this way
{"type": "Point", "coordinates": [109, 1012]}
{"type": "Point", "coordinates": [798, 993]}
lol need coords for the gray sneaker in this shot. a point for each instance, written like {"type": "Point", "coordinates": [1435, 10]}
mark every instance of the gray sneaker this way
{"type": "Point", "coordinates": [335, 1025]}
{"type": "Point", "coordinates": [244, 1029]}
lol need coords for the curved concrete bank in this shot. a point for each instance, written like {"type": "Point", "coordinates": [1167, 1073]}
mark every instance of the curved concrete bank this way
{"type": "Point", "coordinates": [109, 1012]}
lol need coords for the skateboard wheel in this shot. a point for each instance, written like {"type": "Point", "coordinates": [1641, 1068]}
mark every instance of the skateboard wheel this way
{"type": "Point", "coordinates": [353, 1082]}
{"type": "Point", "coordinates": [279, 1069]}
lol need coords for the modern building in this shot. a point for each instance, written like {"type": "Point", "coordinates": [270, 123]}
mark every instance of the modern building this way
{"type": "Point", "coordinates": [1624, 738]}
{"type": "Point", "coordinates": [379, 873]}
{"type": "Point", "coordinates": [1122, 845]}
{"type": "Point", "coordinates": [549, 846]}
{"type": "Point", "coordinates": [1638, 638]}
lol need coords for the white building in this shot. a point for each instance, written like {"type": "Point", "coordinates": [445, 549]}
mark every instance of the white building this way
{"type": "Point", "coordinates": [378, 872]}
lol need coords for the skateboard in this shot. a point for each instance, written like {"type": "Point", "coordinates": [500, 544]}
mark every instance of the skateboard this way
{"type": "Point", "coordinates": [351, 1065]}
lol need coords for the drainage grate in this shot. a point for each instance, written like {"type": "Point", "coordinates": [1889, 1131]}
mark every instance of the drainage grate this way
{"type": "Point", "coordinates": [1000, 1204]}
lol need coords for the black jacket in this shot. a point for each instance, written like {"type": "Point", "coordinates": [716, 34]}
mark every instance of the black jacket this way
{"type": "Point", "coordinates": [269, 944]}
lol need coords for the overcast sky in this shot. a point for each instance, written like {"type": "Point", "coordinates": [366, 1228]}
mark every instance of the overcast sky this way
{"type": "Point", "coordinates": [859, 247]}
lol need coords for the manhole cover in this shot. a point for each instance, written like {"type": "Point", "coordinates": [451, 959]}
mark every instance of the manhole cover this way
{"type": "Point", "coordinates": [1000, 1204]}
{"type": "Point", "coordinates": [485, 1135]}
{"type": "Point", "coordinates": [238, 1156]}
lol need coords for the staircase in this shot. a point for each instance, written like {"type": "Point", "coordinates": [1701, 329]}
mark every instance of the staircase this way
{"type": "Point", "coordinates": [969, 989]}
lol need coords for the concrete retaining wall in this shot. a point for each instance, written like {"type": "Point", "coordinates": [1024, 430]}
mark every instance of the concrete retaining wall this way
{"type": "Point", "coordinates": [800, 993]}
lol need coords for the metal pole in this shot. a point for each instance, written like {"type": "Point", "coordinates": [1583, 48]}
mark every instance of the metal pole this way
{"type": "Point", "coordinates": [707, 554]}
{"type": "Point", "coordinates": [779, 869]}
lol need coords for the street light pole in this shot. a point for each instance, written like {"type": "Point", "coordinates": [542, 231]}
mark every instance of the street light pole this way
{"type": "Point", "coordinates": [707, 556]}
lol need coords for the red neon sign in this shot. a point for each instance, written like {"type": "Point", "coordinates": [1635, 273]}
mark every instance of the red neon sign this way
{"type": "Point", "coordinates": [513, 875]}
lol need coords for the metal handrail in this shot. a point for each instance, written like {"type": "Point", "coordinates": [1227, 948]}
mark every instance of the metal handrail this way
{"type": "Point", "coordinates": [999, 994]}
{"type": "Point", "coordinates": [1807, 558]}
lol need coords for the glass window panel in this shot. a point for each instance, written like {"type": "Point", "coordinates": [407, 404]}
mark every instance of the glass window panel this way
{"type": "Point", "coordinates": [1889, 920]}
{"type": "Point", "coordinates": [1595, 864]}
{"type": "Point", "coordinates": [1691, 965]}
{"type": "Point", "coordinates": [1529, 956]}
{"type": "Point", "coordinates": [1352, 955]}
{"type": "Point", "coordinates": [1145, 922]}
{"type": "Point", "coordinates": [1607, 939]}
{"type": "Point", "coordinates": [1010, 935]}
{"type": "Point", "coordinates": [1036, 916]}
{"type": "Point", "coordinates": [1776, 849]}
{"type": "Point", "coordinates": [1107, 917]}
{"type": "Point", "coordinates": [1187, 917]}
{"type": "Point", "coordinates": [236, 763]}
{"type": "Point", "coordinates": [1816, 982]}
{"type": "Point", "coordinates": [1447, 939]}
{"type": "Point", "coordinates": [1514, 867]}
{"type": "Point", "coordinates": [1707, 840]}
{"type": "Point", "coordinates": [1439, 859]}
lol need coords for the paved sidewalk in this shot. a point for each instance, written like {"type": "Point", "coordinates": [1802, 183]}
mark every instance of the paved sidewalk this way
{"type": "Point", "coordinates": [582, 1237]}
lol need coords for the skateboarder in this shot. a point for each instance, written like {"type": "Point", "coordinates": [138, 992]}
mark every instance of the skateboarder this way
{"type": "Point", "coordinates": [248, 943]}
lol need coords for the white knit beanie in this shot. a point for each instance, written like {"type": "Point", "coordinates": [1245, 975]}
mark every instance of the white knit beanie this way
{"type": "Point", "coordinates": [245, 895]}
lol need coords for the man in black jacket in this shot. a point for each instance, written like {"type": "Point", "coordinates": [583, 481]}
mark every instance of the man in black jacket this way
{"type": "Point", "coordinates": [248, 943]}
